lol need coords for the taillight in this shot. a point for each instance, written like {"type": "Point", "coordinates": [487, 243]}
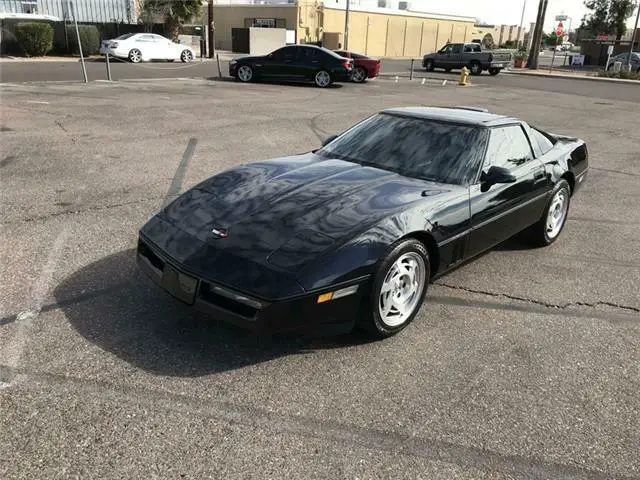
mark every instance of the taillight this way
{"type": "Point", "coordinates": [347, 65]}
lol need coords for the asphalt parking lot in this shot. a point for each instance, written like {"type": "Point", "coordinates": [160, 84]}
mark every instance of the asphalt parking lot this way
{"type": "Point", "coordinates": [522, 364]}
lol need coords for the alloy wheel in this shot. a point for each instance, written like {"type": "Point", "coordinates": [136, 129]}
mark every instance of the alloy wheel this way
{"type": "Point", "coordinates": [245, 73]}
{"type": "Point", "coordinates": [323, 79]}
{"type": "Point", "coordinates": [557, 213]}
{"type": "Point", "coordinates": [186, 56]}
{"type": "Point", "coordinates": [401, 289]}
{"type": "Point", "coordinates": [135, 56]}
{"type": "Point", "coordinates": [359, 75]}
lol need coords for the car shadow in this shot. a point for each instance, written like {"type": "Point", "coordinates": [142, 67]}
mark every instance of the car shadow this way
{"type": "Point", "coordinates": [269, 82]}
{"type": "Point", "coordinates": [114, 306]}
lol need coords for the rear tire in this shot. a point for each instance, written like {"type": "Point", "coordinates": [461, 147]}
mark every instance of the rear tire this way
{"type": "Point", "coordinates": [398, 290]}
{"type": "Point", "coordinates": [547, 230]}
{"type": "Point", "coordinates": [360, 75]}
{"type": "Point", "coordinates": [135, 56]}
{"type": "Point", "coordinates": [494, 71]}
{"type": "Point", "coordinates": [475, 68]}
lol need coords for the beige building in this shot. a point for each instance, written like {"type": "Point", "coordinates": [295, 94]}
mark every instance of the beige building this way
{"type": "Point", "coordinates": [499, 35]}
{"type": "Point", "coordinates": [377, 32]}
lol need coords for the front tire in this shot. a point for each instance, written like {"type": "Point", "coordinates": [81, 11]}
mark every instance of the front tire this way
{"type": "Point", "coordinates": [547, 230]}
{"type": "Point", "coordinates": [428, 66]}
{"type": "Point", "coordinates": [135, 56]}
{"type": "Point", "coordinates": [244, 73]}
{"type": "Point", "coordinates": [399, 288]}
{"type": "Point", "coordinates": [186, 56]}
{"type": "Point", "coordinates": [475, 68]}
{"type": "Point", "coordinates": [322, 79]}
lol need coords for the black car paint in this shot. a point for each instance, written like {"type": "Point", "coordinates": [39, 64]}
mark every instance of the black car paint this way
{"type": "Point", "coordinates": [304, 224]}
{"type": "Point", "coordinates": [267, 67]}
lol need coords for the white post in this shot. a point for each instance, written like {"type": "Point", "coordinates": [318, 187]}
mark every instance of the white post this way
{"type": "Point", "coordinates": [84, 68]}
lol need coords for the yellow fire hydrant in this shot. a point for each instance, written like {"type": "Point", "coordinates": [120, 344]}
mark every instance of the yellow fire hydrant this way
{"type": "Point", "coordinates": [464, 77]}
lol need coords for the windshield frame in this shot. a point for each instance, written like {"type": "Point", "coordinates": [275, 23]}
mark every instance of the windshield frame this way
{"type": "Point", "coordinates": [483, 133]}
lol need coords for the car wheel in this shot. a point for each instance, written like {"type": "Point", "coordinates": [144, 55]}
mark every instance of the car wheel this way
{"type": "Point", "coordinates": [494, 71]}
{"type": "Point", "coordinates": [399, 287]}
{"type": "Point", "coordinates": [360, 75]}
{"type": "Point", "coordinates": [322, 79]}
{"type": "Point", "coordinates": [135, 56]}
{"type": "Point", "coordinates": [448, 70]}
{"type": "Point", "coordinates": [244, 73]}
{"type": "Point", "coordinates": [548, 228]}
{"type": "Point", "coordinates": [186, 56]}
{"type": "Point", "coordinates": [428, 66]}
{"type": "Point", "coordinates": [476, 68]}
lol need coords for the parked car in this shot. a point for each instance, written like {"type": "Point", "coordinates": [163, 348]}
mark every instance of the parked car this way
{"type": "Point", "coordinates": [351, 234]}
{"type": "Point", "coordinates": [624, 59]}
{"type": "Point", "coordinates": [470, 55]}
{"type": "Point", "coordinates": [142, 47]}
{"type": "Point", "coordinates": [294, 63]}
{"type": "Point", "coordinates": [363, 66]}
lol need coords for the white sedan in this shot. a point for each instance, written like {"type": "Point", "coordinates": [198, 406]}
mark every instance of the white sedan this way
{"type": "Point", "coordinates": [140, 47]}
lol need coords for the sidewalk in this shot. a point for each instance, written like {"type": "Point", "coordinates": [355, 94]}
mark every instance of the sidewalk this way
{"type": "Point", "coordinates": [223, 54]}
{"type": "Point", "coordinates": [571, 74]}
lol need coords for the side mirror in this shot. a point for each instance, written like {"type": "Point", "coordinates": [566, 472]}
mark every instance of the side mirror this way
{"type": "Point", "coordinates": [497, 175]}
{"type": "Point", "coordinates": [329, 139]}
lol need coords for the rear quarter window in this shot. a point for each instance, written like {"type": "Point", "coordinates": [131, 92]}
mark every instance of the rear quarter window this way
{"type": "Point", "coordinates": [544, 141]}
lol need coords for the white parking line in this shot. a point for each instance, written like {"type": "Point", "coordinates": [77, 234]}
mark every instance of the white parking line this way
{"type": "Point", "coordinates": [38, 101]}
{"type": "Point", "coordinates": [24, 321]}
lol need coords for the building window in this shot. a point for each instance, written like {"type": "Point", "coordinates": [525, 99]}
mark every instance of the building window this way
{"type": "Point", "coordinates": [29, 6]}
{"type": "Point", "coordinates": [264, 22]}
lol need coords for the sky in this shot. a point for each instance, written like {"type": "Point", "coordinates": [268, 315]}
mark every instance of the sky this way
{"type": "Point", "coordinates": [506, 12]}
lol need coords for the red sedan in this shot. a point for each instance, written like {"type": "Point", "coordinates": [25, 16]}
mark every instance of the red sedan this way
{"type": "Point", "coordinates": [364, 67]}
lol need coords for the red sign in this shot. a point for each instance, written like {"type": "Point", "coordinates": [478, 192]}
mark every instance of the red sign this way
{"type": "Point", "coordinates": [559, 30]}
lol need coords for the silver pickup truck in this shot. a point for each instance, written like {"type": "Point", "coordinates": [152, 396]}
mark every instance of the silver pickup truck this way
{"type": "Point", "coordinates": [470, 55]}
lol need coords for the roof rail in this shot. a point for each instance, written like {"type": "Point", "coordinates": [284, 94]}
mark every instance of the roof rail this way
{"type": "Point", "coordinates": [473, 109]}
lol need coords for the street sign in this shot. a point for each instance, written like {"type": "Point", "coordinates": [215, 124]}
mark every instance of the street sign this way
{"type": "Point", "coordinates": [561, 18]}
{"type": "Point", "coordinates": [559, 30]}
{"type": "Point", "coordinates": [610, 50]}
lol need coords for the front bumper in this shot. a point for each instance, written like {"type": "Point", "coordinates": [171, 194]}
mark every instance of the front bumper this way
{"type": "Point", "coordinates": [302, 313]}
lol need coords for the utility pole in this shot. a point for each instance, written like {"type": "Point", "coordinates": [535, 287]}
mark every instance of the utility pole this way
{"type": "Point", "coordinates": [521, 22]}
{"type": "Point", "coordinates": [633, 37]}
{"type": "Point", "coordinates": [346, 28]}
{"type": "Point", "coordinates": [532, 62]}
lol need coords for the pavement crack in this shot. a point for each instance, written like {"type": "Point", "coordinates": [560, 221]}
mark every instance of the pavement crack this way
{"type": "Point", "coordinates": [562, 306]}
{"type": "Point", "coordinates": [62, 127]}
{"type": "Point", "coordinates": [95, 208]}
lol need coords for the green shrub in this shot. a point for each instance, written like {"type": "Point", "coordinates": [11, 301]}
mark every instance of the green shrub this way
{"type": "Point", "coordinates": [89, 38]}
{"type": "Point", "coordinates": [623, 74]}
{"type": "Point", "coordinates": [34, 38]}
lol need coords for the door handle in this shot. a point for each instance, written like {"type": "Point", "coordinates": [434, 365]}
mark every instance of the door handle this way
{"type": "Point", "coordinates": [539, 174]}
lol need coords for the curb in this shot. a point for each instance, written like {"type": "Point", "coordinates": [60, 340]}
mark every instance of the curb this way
{"type": "Point", "coordinates": [573, 77]}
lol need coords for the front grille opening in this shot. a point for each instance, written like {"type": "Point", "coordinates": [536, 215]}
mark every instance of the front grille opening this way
{"type": "Point", "coordinates": [149, 255]}
{"type": "Point", "coordinates": [208, 295]}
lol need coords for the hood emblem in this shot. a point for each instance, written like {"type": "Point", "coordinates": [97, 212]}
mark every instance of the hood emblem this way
{"type": "Point", "coordinates": [220, 232]}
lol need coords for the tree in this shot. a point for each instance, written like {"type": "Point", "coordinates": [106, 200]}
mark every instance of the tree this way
{"type": "Point", "coordinates": [173, 12]}
{"type": "Point", "coordinates": [607, 17]}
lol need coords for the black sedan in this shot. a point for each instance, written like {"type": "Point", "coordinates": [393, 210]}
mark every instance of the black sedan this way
{"type": "Point", "coordinates": [294, 63]}
{"type": "Point", "coordinates": [351, 234]}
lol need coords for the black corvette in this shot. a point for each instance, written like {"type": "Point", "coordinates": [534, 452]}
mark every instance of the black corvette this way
{"type": "Point", "coordinates": [352, 233]}
{"type": "Point", "coordinates": [294, 63]}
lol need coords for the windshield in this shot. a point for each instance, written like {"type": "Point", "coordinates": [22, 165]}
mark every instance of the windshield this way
{"type": "Point", "coordinates": [414, 147]}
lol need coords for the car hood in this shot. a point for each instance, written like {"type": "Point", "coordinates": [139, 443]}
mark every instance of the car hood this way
{"type": "Point", "coordinates": [285, 212]}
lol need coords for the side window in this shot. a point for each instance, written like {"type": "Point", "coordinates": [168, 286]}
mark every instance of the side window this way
{"type": "Point", "coordinates": [145, 38]}
{"type": "Point", "coordinates": [508, 147]}
{"type": "Point", "coordinates": [446, 49]}
{"type": "Point", "coordinates": [456, 49]}
{"type": "Point", "coordinates": [286, 53]}
{"type": "Point", "coordinates": [543, 141]}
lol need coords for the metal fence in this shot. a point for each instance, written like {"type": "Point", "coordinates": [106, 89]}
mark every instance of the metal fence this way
{"type": "Point", "coordinates": [86, 11]}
